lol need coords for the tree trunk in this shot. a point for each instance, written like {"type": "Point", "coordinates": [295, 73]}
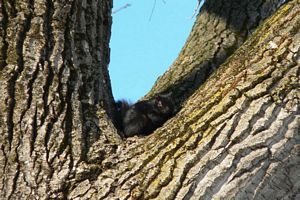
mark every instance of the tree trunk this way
{"type": "Point", "coordinates": [221, 27]}
{"type": "Point", "coordinates": [54, 58]}
{"type": "Point", "coordinates": [236, 136]}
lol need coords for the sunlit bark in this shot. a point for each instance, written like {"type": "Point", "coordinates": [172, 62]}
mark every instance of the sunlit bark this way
{"type": "Point", "coordinates": [236, 136]}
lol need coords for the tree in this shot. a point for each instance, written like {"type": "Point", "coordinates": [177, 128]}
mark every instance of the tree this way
{"type": "Point", "coordinates": [236, 135]}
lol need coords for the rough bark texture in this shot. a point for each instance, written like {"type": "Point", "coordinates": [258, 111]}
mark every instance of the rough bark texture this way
{"type": "Point", "coordinates": [54, 58]}
{"type": "Point", "coordinates": [221, 27]}
{"type": "Point", "coordinates": [237, 136]}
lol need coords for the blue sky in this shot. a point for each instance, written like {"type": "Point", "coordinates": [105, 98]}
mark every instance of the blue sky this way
{"type": "Point", "coordinates": [143, 49]}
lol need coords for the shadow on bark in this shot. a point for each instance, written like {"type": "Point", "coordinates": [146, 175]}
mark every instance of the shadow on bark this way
{"type": "Point", "coordinates": [240, 19]}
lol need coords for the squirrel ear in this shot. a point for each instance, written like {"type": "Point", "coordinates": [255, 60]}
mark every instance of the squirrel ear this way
{"type": "Point", "coordinates": [156, 97]}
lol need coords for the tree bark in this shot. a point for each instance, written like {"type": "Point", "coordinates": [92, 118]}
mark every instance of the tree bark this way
{"type": "Point", "coordinates": [221, 27]}
{"type": "Point", "coordinates": [54, 58]}
{"type": "Point", "coordinates": [236, 136]}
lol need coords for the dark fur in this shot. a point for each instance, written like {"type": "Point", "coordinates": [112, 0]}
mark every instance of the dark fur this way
{"type": "Point", "coordinates": [121, 107]}
{"type": "Point", "coordinates": [143, 117]}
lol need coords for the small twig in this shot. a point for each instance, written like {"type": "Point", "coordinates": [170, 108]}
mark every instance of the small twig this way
{"type": "Point", "coordinates": [153, 7]}
{"type": "Point", "coordinates": [152, 11]}
{"type": "Point", "coordinates": [121, 8]}
{"type": "Point", "coordinates": [196, 9]}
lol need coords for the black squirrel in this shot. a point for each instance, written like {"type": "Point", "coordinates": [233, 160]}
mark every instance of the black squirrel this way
{"type": "Point", "coordinates": [143, 117]}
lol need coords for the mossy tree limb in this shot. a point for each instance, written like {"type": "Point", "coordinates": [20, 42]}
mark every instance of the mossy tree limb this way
{"type": "Point", "coordinates": [236, 136]}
